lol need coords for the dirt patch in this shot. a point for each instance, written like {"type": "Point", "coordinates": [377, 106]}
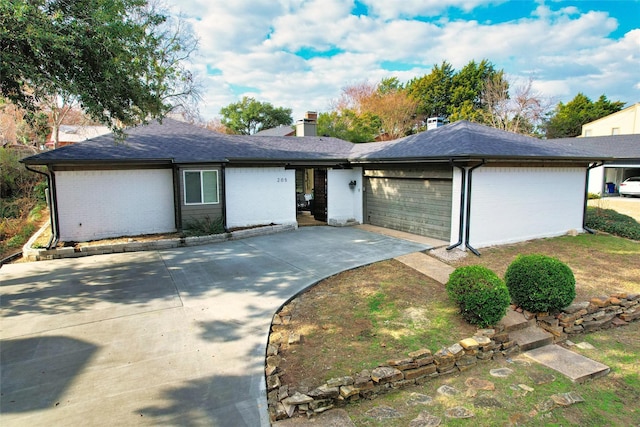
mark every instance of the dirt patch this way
{"type": "Point", "coordinates": [361, 318]}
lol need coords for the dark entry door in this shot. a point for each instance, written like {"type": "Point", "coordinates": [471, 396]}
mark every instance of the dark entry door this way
{"type": "Point", "coordinates": [320, 194]}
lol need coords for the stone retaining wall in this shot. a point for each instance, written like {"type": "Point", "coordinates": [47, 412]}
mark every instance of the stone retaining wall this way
{"type": "Point", "coordinates": [32, 254]}
{"type": "Point", "coordinates": [599, 313]}
{"type": "Point", "coordinates": [417, 368]}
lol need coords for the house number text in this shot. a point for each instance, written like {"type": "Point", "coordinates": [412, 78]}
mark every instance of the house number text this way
{"type": "Point", "coordinates": [281, 180]}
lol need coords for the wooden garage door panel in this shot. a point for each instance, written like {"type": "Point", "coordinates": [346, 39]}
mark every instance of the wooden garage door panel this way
{"type": "Point", "coordinates": [420, 206]}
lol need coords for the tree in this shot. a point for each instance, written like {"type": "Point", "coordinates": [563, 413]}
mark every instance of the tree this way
{"type": "Point", "coordinates": [524, 112]}
{"type": "Point", "coordinates": [395, 111]}
{"type": "Point", "coordinates": [123, 60]}
{"type": "Point", "coordinates": [567, 119]}
{"type": "Point", "coordinates": [467, 101]}
{"type": "Point", "coordinates": [249, 116]}
{"type": "Point", "coordinates": [367, 111]}
{"type": "Point", "coordinates": [433, 91]}
{"type": "Point", "coordinates": [348, 125]}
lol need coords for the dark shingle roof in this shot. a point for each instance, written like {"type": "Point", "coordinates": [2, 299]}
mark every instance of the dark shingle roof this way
{"type": "Point", "coordinates": [464, 139]}
{"type": "Point", "coordinates": [620, 147]}
{"type": "Point", "coordinates": [178, 142]}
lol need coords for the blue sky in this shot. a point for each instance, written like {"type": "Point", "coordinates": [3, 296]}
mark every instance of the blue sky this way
{"type": "Point", "coordinates": [301, 53]}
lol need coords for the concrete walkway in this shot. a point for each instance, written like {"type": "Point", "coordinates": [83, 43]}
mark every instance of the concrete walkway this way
{"type": "Point", "coordinates": [164, 337]}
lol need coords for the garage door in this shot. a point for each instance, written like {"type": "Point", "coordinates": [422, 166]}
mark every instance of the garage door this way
{"type": "Point", "coordinates": [417, 202]}
{"type": "Point", "coordinates": [98, 204]}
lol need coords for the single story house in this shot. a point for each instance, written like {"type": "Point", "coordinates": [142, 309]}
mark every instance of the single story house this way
{"type": "Point", "coordinates": [464, 183]}
{"type": "Point", "coordinates": [605, 180]}
{"type": "Point", "coordinates": [605, 177]}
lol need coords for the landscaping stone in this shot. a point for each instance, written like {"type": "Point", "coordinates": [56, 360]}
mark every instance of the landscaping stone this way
{"type": "Point", "coordinates": [447, 390]}
{"type": "Point", "coordinates": [585, 346]}
{"type": "Point", "coordinates": [340, 381]}
{"type": "Point", "coordinates": [385, 374]}
{"type": "Point", "coordinates": [567, 399]}
{"type": "Point", "coordinates": [419, 399]}
{"type": "Point", "coordinates": [420, 354]}
{"type": "Point", "coordinates": [380, 413]}
{"type": "Point", "coordinates": [297, 399]}
{"type": "Point", "coordinates": [487, 402]}
{"type": "Point", "coordinates": [526, 388]}
{"type": "Point", "coordinates": [469, 344]}
{"type": "Point", "coordinates": [325, 392]}
{"type": "Point", "coordinates": [458, 412]}
{"type": "Point", "coordinates": [501, 372]}
{"type": "Point", "coordinates": [425, 419]}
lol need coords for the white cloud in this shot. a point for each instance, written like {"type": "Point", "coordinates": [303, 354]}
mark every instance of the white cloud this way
{"type": "Point", "coordinates": [253, 44]}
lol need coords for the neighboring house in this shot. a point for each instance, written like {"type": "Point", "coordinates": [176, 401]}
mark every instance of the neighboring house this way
{"type": "Point", "coordinates": [281, 130]}
{"type": "Point", "coordinates": [605, 180]}
{"type": "Point", "coordinates": [70, 134]}
{"type": "Point", "coordinates": [463, 183]}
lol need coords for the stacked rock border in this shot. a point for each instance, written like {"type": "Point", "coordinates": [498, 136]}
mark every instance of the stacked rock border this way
{"type": "Point", "coordinates": [603, 312]}
{"type": "Point", "coordinates": [421, 366]}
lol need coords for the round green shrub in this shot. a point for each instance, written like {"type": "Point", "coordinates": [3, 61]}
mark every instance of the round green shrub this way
{"type": "Point", "coordinates": [480, 294]}
{"type": "Point", "coordinates": [539, 283]}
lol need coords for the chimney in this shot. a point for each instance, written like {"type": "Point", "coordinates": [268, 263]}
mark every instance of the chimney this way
{"type": "Point", "coordinates": [307, 126]}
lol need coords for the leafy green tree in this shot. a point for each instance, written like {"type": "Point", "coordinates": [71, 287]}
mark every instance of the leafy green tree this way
{"type": "Point", "coordinates": [123, 60]}
{"type": "Point", "coordinates": [567, 119]}
{"type": "Point", "coordinates": [468, 85]}
{"type": "Point", "coordinates": [433, 91]}
{"type": "Point", "coordinates": [249, 116]}
{"type": "Point", "coordinates": [348, 125]}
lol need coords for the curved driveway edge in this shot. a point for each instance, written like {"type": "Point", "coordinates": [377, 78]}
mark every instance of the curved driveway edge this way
{"type": "Point", "coordinates": [166, 337]}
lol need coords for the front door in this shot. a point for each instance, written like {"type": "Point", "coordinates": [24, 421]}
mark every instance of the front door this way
{"type": "Point", "coordinates": [320, 194]}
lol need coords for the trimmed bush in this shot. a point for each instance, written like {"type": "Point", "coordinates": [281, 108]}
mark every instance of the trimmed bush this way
{"type": "Point", "coordinates": [480, 294]}
{"type": "Point", "coordinates": [613, 222]}
{"type": "Point", "coordinates": [539, 283]}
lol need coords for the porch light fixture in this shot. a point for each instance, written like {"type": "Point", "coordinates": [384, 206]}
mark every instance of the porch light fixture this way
{"type": "Point", "coordinates": [352, 184]}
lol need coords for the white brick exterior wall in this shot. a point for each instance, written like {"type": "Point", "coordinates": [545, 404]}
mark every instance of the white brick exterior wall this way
{"type": "Point", "coordinates": [260, 196]}
{"type": "Point", "coordinates": [517, 204]}
{"type": "Point", "coordinates": [101, 204]}
{"type": "Point", "coordinates": [343, 202]}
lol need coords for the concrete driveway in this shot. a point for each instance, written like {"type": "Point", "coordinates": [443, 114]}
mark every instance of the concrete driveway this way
{"type": "Point", "coordinates": [166, 337]}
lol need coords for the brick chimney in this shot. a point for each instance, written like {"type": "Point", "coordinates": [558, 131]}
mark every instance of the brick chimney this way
{"type": "Point", "coordinates": [307, 126]}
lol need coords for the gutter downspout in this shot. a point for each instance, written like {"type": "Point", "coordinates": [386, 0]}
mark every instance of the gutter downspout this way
{"type": "Point", "coordinates": [53, 216]}
{"type": "Point", "coordinates": [462, 200]}
{"type": "Point", "coordinates": [468, 224]}
{"type": "Point", "coordinates": [223, 192]}
{"type": "Point", "coordinates": [177, 211]}
{"type": "Point", "coordinates": [586, 197]}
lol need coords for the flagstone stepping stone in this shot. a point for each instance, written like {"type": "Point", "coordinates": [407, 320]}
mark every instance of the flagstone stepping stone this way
{"type": "Point", "coordinates": [487, 402]}
{"type": "Point", "coordinates": [458, 412]}
{"type": "Point", "coordinates": [447, 390]}
{"type": "Point", "coordinates": [519, 362]}
{"type": "Point", "coordinates": [480, 384]}
{"type": "Point", "coordinates": [540, 379]}
{"type": "Point", "coordinates": [566, 399]}
{"type": "Point", "coordinates": [526, 387]}
{"type": "Point", "coordinates": [383, 413]}
{"type": "Point", "coordinates": [425, 420]}
{"type": "Point", "coordinates": [419, 399]}
{"type": "Point", "coordinates": [585, 346]}
{"type": "Point", "coordinates": [501, 372]}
